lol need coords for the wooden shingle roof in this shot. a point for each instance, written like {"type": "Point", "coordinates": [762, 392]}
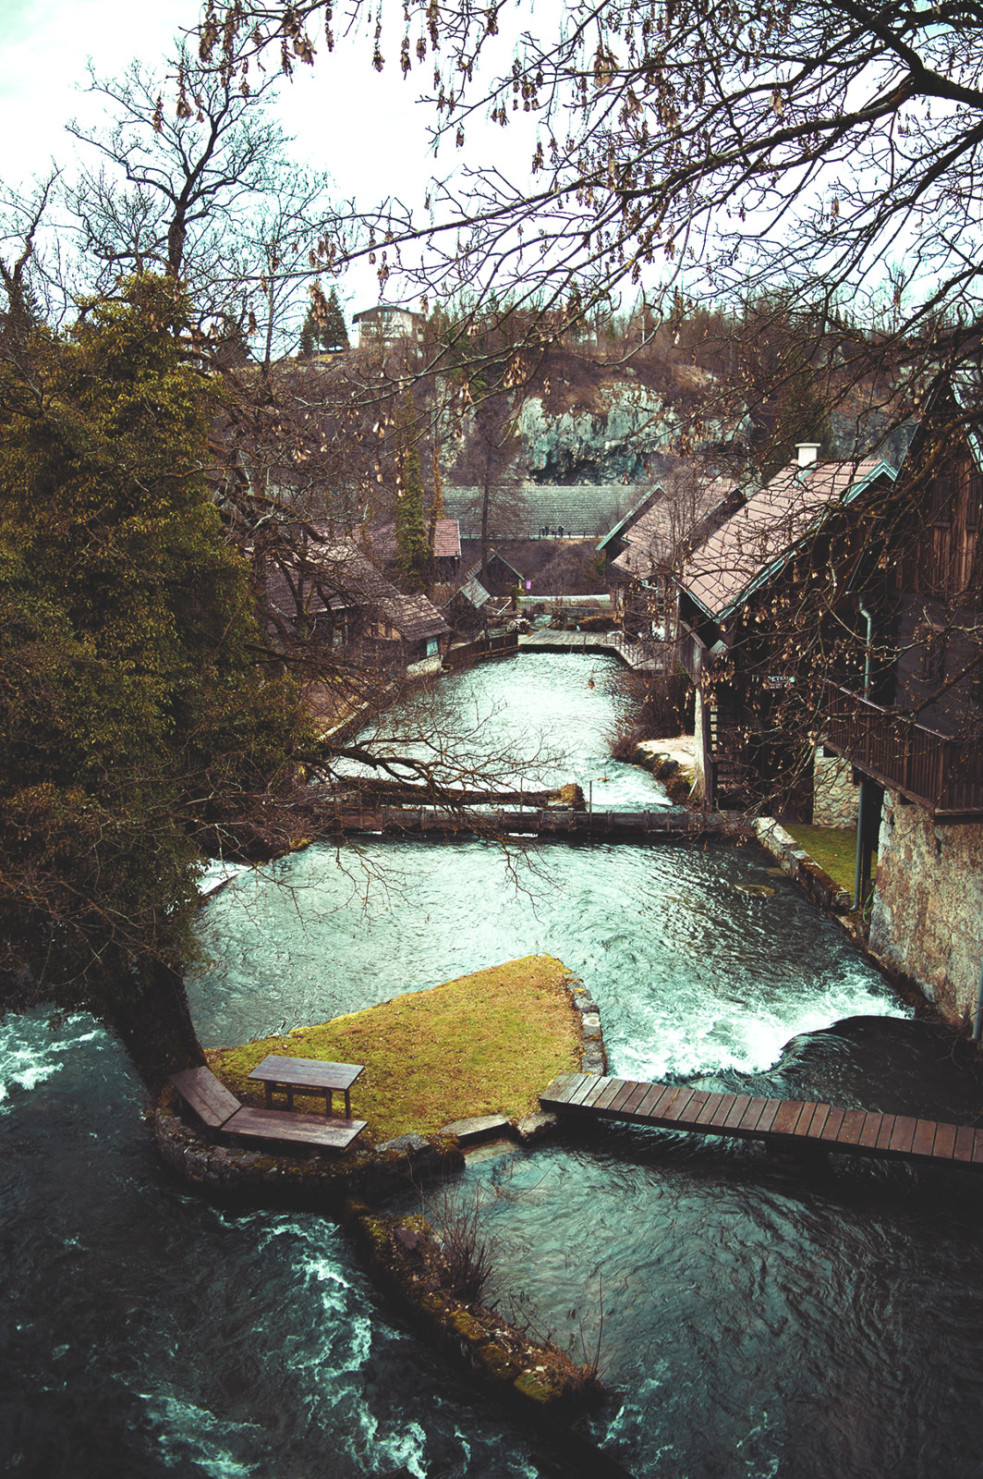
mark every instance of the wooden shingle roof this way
{"type": "Point", "coordinates": [473, 592]}
{"type": "Point", "coordinates": [760, 537]}
{"type": "Point", "coordinates": [329, 576]}
{"type": "Point", "coordinates": [446, 540]}
{"type": "Point", "coordinates": [669, 523]}
{"type": "Point", "coordinates": [413, 617]}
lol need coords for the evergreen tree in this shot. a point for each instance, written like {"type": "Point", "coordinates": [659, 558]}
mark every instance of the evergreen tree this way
{"type": "Point", "coordinates": [308, 335]}
{"type": "Point", "coordinates": [334, 334]}
{"type": "Point", "coordinates": [324, 326]}
{"type": "Point", "coordinates": [134, 716]}
{"type": "Point", "coordinates": [437, 506]}
{"type": "Point", "coordinates": [414, 557]}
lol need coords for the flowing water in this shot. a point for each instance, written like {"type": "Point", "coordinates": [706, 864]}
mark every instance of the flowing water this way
{"type": "Point", "coordinates": [752, 1318]}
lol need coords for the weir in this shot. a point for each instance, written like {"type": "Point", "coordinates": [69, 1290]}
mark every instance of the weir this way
{"type": "Point", "coordinates": [557, 822]}
{"type": "Point", "coordinates": [636, 655]}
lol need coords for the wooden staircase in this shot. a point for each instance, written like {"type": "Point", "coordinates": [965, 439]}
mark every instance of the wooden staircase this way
{"type": "Point", "coordinates": [730, 773]}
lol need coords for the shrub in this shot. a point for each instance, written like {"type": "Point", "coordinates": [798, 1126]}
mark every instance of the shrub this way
{"type": "Point", "coordinates": [660, 705]}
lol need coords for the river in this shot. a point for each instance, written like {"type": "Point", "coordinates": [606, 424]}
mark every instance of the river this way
{"type": "Point", "coordinates": [752, 1317]}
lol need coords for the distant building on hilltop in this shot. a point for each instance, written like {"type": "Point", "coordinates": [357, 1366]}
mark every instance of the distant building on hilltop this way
{"type": "Point", "coordinates": [388, 324]}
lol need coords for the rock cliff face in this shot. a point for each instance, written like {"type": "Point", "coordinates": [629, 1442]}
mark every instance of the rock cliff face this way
{"type": "Point", "coordinates": [616, 432]}
{"type": "Point", "coordinates": [588, 422]}
{"type": "Point", "coordinates": [612, 442]}
{"type": "Point", "coordinates": [627, 431]}
{"type": "Point", "coordinates": [585, 420]}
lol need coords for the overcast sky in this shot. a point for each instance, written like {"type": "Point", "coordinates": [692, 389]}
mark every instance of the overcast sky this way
{"type": "Point", "coordinates": [363, 128]}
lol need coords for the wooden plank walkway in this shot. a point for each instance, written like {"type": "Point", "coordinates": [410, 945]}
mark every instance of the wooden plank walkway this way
{"type": "Point", "coordinates": [787, 1123]}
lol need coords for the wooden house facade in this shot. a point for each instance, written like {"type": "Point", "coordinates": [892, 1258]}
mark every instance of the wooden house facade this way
{"type": "Point", "coordinates": [469, 607]}
{"type": "Point", "coordinates": [499, 578]}
{"type": "Point", "coordinates": [329, 592]}
{"type": "Point", "coordinates": [919, 727]}
{"type": "Point", "coordinates": [763, 619]}
{"type": "Point", "coordinates": [913, 731]}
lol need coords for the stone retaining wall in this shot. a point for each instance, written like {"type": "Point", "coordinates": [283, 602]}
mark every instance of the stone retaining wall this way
{"type": "Point", "coordinates": [927, 918]}
{"type": "Point", "coordinates": [814, 881]}
{"type": "Point", "coordinates": [835, 793]}
{"type": "Point", "coordinates": [401, 1254]}
{"type": "Point", "coordinates": [230, 1174]}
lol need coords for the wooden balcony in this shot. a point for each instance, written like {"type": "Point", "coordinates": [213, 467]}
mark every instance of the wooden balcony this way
{"type": "Point", "coordinates": [938, 772]}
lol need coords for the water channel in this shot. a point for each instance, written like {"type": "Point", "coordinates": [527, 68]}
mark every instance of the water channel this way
{"type": "Point", "coordinates": [754, 1318]}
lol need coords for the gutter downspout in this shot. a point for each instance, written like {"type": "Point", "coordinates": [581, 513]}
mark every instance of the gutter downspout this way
{"type": "Point", "coordinates": [868, 617]}
{"type": "Point", "coordinates": [978, 1025]}
{"type": "Point", "coordinates": [863, 798]}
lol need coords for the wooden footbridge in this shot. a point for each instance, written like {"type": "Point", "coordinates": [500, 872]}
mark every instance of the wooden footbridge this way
{"type": "Point", "coordinates": [639, 656]}
{"type": "Point", "coordinates": [782, 1123]}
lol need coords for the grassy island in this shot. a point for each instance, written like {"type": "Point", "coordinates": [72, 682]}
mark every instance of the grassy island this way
{"type": "Point", "coordinates": [487, 1043]}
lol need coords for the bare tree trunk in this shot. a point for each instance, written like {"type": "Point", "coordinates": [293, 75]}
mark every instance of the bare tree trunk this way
{"type": "Point", "coordinates": [485, 500]}
{"type": "Point", "coordinates": [153, 1021]}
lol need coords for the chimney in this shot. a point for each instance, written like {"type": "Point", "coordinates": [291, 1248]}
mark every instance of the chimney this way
{"type": "Point", "coordinates": [806, 453]}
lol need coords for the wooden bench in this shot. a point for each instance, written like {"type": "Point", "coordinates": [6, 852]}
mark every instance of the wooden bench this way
{"type": "Point", "coordinates": [219, 1109]}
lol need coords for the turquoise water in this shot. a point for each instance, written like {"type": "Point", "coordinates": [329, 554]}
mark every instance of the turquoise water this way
{"type": "Point", "coordinates": [752, 1318]}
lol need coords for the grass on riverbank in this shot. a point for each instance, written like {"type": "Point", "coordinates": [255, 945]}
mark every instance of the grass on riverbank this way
{"type": "Point", "coordinates": [487, 1043]}
{"type": "Point", "coordinates": [833, 848]}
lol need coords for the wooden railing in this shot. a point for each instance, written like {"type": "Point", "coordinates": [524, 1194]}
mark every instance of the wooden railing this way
{"type": "Point", "coordinates": [933, 769]}
{"type": "Point", "coordinates": [464, 653]}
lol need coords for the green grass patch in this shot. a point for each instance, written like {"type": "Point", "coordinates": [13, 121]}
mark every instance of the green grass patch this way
{"type": "Point", "coordinates": [487, 1043]}
{"type": "Point", "coordinates": [833, 848]}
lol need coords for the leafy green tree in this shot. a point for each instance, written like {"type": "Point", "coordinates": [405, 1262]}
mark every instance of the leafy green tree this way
{"type": "Point", "coordinates": [136, 722]}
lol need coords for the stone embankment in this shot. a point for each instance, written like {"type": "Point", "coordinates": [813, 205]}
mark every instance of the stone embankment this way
{"type": "Point", "coordinates": [814, 881]}
{"type": "Point", "coordinates": [251, 1177]}
{"type": "Point", "coordinates": [406, 1256]}
{"type": "Point", "coordinates": [671, 762]}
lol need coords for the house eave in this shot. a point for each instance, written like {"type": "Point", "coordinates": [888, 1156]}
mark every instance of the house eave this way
{"type": "Point", "coordinates": [850, 496]}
